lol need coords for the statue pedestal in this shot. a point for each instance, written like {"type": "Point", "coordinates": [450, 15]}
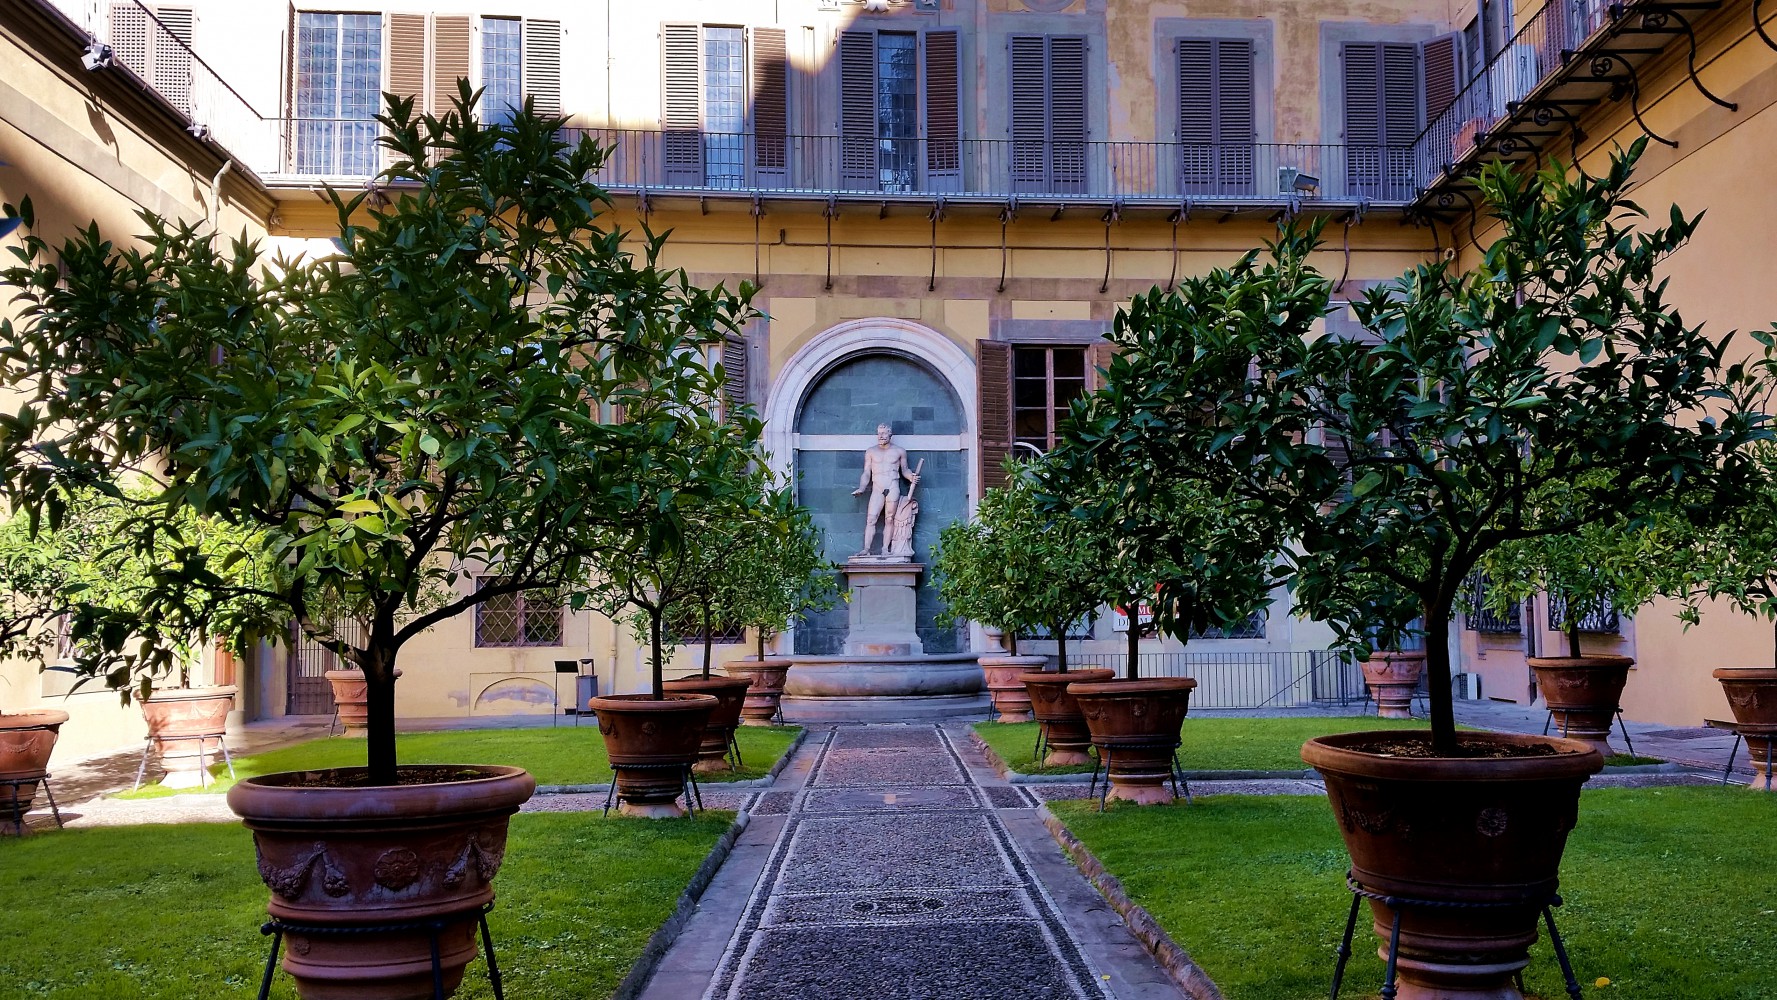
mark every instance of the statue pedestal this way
{"type": "Point", "coordinates": [882, 609]}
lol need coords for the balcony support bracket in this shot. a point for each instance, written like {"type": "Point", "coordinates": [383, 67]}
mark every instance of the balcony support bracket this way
{"type": "Point", "coordinates": [1007, 214]}
{"type": "Point", "coordinates": [1758, 24]}
{"type": "Point", "coordinates": [1602, 68]}
{"type": "Point", "coordinates": [1112, 215]}
{"type": "Point", "coordinates": [1181, 214]}
{"type": "Point", "coordinates": [758, 213]}
{"type": "Point", "coordinates": [1659, 18]}
{"type": "Point", "coordinates": [830, 211]}
{"type": "Point", "coordinates": [937, 215]}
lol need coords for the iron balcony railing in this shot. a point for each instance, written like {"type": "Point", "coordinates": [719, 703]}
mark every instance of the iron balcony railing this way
{"type": "Point", "coordinates": [984, 169]}
{"type": "Point", "coordinates": [1545, 43]}
{"type": "Point", "coordinates": [1257, 679]}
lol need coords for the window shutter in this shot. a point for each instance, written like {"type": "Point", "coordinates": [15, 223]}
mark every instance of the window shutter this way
{"type": "Point", "coordinates": [1098, 361]}
{"type": "Point", "coordinates": [1442, 59]}
{"type": "Point", "coordinates": [1029, 111]}
{"type": "Point", "coordinates": [129, 37]}
{"type": "Point", "coordinates": [771, 102]}
{"type": "Point", "coordinates": [172, 56]}
{"type": "Point", "coordinates": [542, 66]}
{"type": "Point", "coordinates": [450, 59]}
{"type": "Point", "coordinates": [857, 109]}
{"type": "Point", "coordinates": [1067, 113]}
{"type": "Point", "coordinates": [993, 405]}
{"type": "Point", "coordinates": [1403, 115]}
{"type": "Point", "coordinates": [1361, 83]}
{"type": "Point", "coordinates": [1236, 123]}
{"type": "Point", "coordinates": [943, 126]}
{"type": "Point", "coordinates": [734, 374]}
{"type": "Point", "coordinates": [1196, 114]}
{"type": "Point", "coordinates": [407, 58]}
{"type": "Point", "coordinates": [681, 95]}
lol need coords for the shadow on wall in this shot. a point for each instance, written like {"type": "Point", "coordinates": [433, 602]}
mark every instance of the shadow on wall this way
{"type": "Point", "coordinates": [515, 696]}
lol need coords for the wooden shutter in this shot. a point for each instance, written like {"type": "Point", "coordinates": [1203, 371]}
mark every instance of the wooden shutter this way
{"type": "Point", "coordinates": [1403, 115]}
{"type": "Point", "coordinates": [1098, 361]}
{"type": "Point", "coordinates": [450, 60]}
{"type": "Point", "coordinates": [1236, 118]}
{"type": "Point", "coordinates": [1067, 113]}
{"type": "Point", "coordinates": [172, 56]}
{"type": "Point", "coordinates": [1028, 112]}
{"type": "Point", "coordinates": [542, 66]}
{"type": "Point", "coordinates": [1381, 84]}
{"type": "Point", "coordinates": [1197, 114]}
{"type": "Point", "coordinates": [1441, 57]}
{"type": "Point", "coordinates": [734, 374]}
{"type": "Point", "coordinates": [943, 125]}
{"type": "Point", "coordinates": [681, 97]}
{"type": "Point", "coordinates": [130, 40]}
{"type": "Point", "coordinates": [857, 110]}
{"type": "Point", "coordinates": [993, 405]}
{"type": "Point", "coordinates": [1217, 117]}
{"type": "Point", "coordinates": [407, 58]}
{"type": "Point", "coordinates": [771, 103]}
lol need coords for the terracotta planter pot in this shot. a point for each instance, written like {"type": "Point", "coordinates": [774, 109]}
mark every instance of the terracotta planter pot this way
{"type": "Point", "coordinates": [1460, 831]}
{"type": "Point", "coordinates": [767, 692]}
{"type": "Point", "coordinates": [1752, 694]}
{"type": "Point", "coordinates": [351, 699]}
{"type": "Point", "coordinates": [657, 736]}
{"type": "Point", "coordinates": [1055, 708]}
{"type": "Point", "coordinates": [1135, 725]}
{"type": "Point", "coordinates": [731, 696]}
{"type": "Point", "coordinates": [1584, 693]}
{"type": "Point", "coordinates": [187, 725]}
{"type": "Point", "coordinates": [1393, 677]}
{"type": "Point", "coordinates": [350, 857]}
{"type": "Point", "coordinates": [26, 740]}
{"type": "Point", "coordinates": [1005, 687]}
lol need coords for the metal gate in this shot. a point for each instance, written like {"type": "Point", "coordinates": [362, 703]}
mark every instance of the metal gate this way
{"type": "Point", "coordinates": [310, 692]}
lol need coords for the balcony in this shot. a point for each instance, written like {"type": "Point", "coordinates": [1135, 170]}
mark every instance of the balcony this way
{"type": "Point", "coordinates": [991, 171]}
{"type": "Point", "coordinates": [1527, 102]}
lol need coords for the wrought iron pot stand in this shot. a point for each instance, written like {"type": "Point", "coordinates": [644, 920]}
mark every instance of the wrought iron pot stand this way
{"type": "Point", "coordinates": [22, 805]}
{"type": "Point", "coordinates": [1396, 904]}
{"type": "Point", "coordinates": [278, 928]}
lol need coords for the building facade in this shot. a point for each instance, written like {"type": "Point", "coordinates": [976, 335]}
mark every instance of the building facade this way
{"type": "Point", "coordinates": [942, 204]}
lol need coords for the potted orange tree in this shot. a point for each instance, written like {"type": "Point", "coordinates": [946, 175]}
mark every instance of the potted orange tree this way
{"type": "Point", "coordinates": [1555, 358]}
{"type": "Point", "coordinates": [776, 577]}
{"type": "Point", "coordinates": [425, 407]}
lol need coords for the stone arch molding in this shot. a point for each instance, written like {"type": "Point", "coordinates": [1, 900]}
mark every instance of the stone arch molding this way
{"type": "Point", "coordinates": [854, 338]}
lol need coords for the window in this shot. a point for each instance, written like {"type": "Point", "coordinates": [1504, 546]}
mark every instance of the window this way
{"type": "Point", "coordinates": [687, 630]}
{"type": "Point", "coordinates": [1048, 113]}
{"type": "Point", "coordinates": [1481, 619]}
{"type": "Point", "coordinates": [502, 51]}
{"type": "Point", "coordinates": [532, 618]}
{"type": "Point", "coordinates": [338, 80]}
{"type": "Point", "coordinates": [1601, 619]}
{"type": "Point", "coordinates": [712, 136]}
{"type": "Point", "coordinates": [899, 120]}
{"type": "Point", "coordinates": [1045, 381]}
{"type": "Point", "coordinates": [1216, 129]}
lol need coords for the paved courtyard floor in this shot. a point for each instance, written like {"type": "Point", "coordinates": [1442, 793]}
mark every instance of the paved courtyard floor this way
{"type": "Point", "coordinates": [890, 862]}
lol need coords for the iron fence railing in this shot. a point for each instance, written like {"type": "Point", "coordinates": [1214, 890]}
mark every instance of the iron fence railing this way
{"type": "Point", "coordinates": [1543, 45]}
{"type": "Point", "coordinates": [1256, 679]}
{"type": "Point", "coordinates": [1481, 618]}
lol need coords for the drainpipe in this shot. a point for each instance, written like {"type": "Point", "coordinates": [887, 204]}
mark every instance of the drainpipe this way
{"type": "Point", "coordinates": [216, 193]}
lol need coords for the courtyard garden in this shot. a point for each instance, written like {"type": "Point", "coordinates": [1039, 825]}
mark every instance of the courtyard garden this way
{"type": "Point", "coordinates": [1209, 744]}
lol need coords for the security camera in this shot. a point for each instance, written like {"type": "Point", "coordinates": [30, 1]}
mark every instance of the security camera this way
{"type": "Point", "coordinates": [198, 130]}
{"type": "Point", "coordinates": [97, 56]}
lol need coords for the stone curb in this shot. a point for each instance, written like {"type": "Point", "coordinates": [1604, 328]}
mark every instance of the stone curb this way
{"type": "Point", "coordinates": [668, 932]}
{"type": "Point", "coordinates": [1189, 976]}
{"type": "Point", "coordinates": [716, 786]}
{"type": "Point", "coordinates": [1667, 767]}
{"type": "Point", "coordinates": [1011, 777]}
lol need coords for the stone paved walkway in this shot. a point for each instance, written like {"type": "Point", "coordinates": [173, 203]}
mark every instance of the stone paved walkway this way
{"type": "Point", "coordinates": [901, 867]}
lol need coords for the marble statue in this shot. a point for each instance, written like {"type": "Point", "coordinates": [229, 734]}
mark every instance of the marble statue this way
{"type": "Point", "coordinates": [885, 464]}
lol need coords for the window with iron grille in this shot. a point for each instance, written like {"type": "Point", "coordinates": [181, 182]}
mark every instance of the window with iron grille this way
{"type": "Point", "coordinates": [1081, 629]}
{"type": "Point", "coordinates": [522, 619]}
{"type": "Point", "coordinates": [1601, 618]}
{"type": "Point", "coordinates": [1483, 619]}
{"type": "Point", "coordinates": [1252, 628]}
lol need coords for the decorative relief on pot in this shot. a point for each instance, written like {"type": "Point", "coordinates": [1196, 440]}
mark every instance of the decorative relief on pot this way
{"type": "Point", "coordinates": [290, 880]}
{"type": "Point", "coordinates": [1491, 822]}
{"type": "Point", "coordinates": [1374, 824]}
{"type": "Point", "coordinates": [484, 860]}
{"type": "Point", "coordinates": [649, 728]}
{"type": "Point", "coordinates": [397, 869]}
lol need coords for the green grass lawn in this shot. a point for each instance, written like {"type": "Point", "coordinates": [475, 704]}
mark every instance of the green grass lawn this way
{"type": "Point", "coordinates": [572, 755]}
{"type": "Point", "coordinates": [1210, 744]}
{"type": "Point", "coordinates": [1670, 892]}
{"type": "Point", "coordinates": [173, 912]}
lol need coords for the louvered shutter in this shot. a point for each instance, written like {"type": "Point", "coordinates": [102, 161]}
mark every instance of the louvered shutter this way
{"type": "Point", "coordinates": [1361, 85]}
{"type": "Point", "coordinates": [130, 39]}
{"type": "Point", "coordinates": [407, 58]}
{"type": "Point", "coordinates": [450, 60]}
{"type": "Point", "coordinates": [291, 132]}
{"type": "Point", "coordinates": [943, 125]}
{"type": "Point", "coordinates": [857, 110]}
{"type": "Point", "coordinates": [1098, 362]}
{"type": "Point", "coordinates": [771, 104]}
{"type": "Point", "coordinates": [1403, 115]}
{"type": "Point", "coordinates": [734, 374]}
{"type": "Point", "coordinates": [172, 57]}
{"type": "Point", "coordinates": [1029, 112]}
{"type": "Point", "coordinates": [542, 66]}
{"type": "Point", "coordinates": [1442, 58]}
{"type": "Point", "coordinates": [993, 405]}
{"type": "Point", "coordinates": [1067, 113]}
{"type": "Point", "coordinates": [681, 96]}
{"type": "Point", "coordinates": [1197, 114]}
{"type": "Point", "coordinates": [1216, 115]}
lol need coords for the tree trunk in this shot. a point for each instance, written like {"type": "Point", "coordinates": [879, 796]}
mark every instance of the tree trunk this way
{"type": "Point", "coordinates": [1133, 671]}
{"type": "Point", "coordinates": [761, 643]}
{"type": "Point", "coordinates": [1061, 649]}
{"type": "Point", "coordinates": [1437, 668]}
{"type": "Point", "coordinates": [1573, 628]}
{"type": "Point", "coordinates": [659, 671]}
{"type": "Point", "coordinates": [708, 640]}
{"type": "Point", "coordinates": [1012, 643]}
{"type": "Point", "coordinates": [379, 705]}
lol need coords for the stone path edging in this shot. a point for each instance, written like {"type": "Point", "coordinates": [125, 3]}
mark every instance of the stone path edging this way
{"type": "Point", "coordinates": [767, 781]}
{"type": "Point", "coordinates": [1011, 777]}
{"type": "Point", "coordinates": [668, 932]}
{"type": "Point", "coordinates": [1189, 976]}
